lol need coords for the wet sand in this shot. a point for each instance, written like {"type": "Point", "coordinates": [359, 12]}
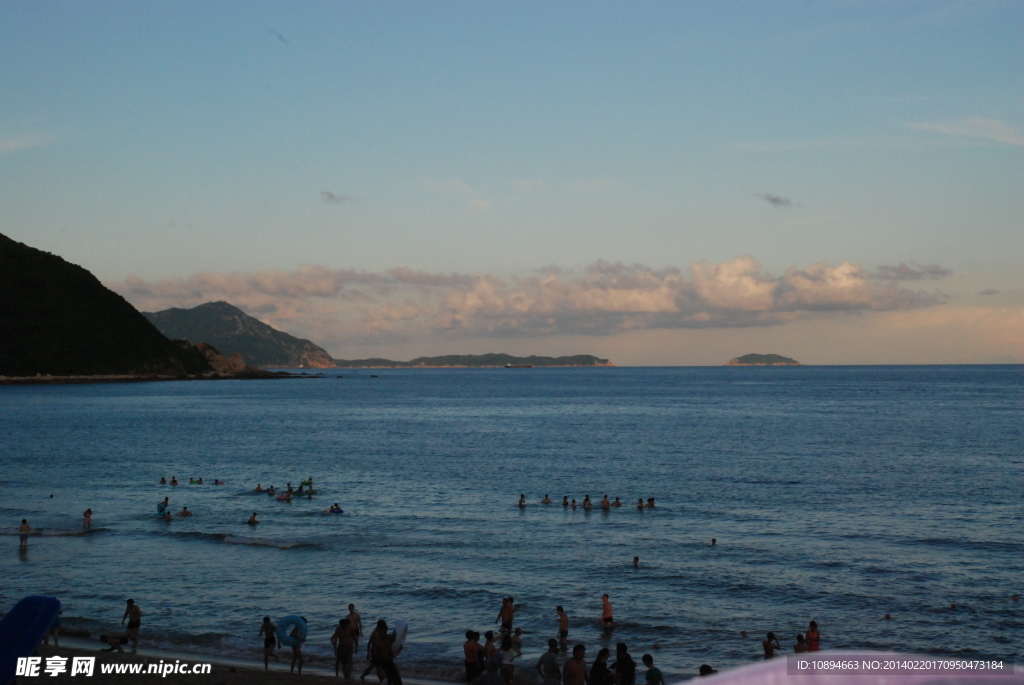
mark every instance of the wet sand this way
{"type": "Point", "coordinates": [223, 671]}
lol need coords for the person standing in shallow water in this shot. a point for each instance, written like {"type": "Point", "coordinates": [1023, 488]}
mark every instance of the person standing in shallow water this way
{"type": "Point", "coordinates": [343, 646]}
{"type": "Point", "coordinates": [23, 532]}
{"type": "Point", "coordinates": [355, 624]}
{"type": "Point", "coordinates": [563, 626]}
{"type": "Point", "coordinates": [640, 504]}
{"type": "Point", "coordinates": [607, 622]}
{"type": "Point", "coordinates": [134, 615]}
{"type": "Point", "coordinates": [565, 500]}
{"type": "Point", "coordinates": [87, 520]}
{"type": "Point", "coordinates": [813, 637]}
{"type": "Point", "coordinates": [771, 645]}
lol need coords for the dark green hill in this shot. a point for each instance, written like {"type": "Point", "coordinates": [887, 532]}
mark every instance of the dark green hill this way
{"type": "Point", "coordinates": [56, 318]}
{"type": "Point", "coordinates": [231, 330]}
{"type": "Point", "coordinates": [475, 360]}
{"type": "Point", "coordinates": [763, 360]}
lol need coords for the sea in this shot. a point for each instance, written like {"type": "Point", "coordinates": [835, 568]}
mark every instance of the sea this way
{"type": "Point", "coordinates": [834, 494]}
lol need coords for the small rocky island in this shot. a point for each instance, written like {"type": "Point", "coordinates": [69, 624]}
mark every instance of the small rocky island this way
{"type": "Point", "coordinates": [763, 360]}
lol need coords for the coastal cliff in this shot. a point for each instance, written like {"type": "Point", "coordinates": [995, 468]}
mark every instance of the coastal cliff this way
{"type": "Point", "coordinates": [228, 328]}
{"type": "Point", "coordinates": [57, 319]}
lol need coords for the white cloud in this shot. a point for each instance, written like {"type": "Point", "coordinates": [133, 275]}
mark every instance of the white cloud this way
{"type": "Point", "coordinates": [346, 306]}
{"type": "Point", "coordinates": [976, 127]}
{"type": "Point", "coordinates": [527, 184]}
{"type": "Point", "coordinates": [21, 143]}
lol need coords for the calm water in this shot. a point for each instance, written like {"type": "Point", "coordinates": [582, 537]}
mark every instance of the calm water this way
{"type": "Point", "coordinates": [838, 494]}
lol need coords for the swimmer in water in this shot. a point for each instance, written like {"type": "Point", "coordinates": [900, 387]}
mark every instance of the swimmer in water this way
{"type": "Point", "coordinates": [606, 503]}
{"type": "Point", "coordinates": [606, 612]}
{"type": "Point", "coordinates": [650, 502]}
{"type": "Point", "coordinates": [184, 512]}
{"type": "Point", "coordinates": [522, 501]}
{"type": "Point", "coordinates": [546, 500]}
{"type": "Point", "coordinates": [563, 626]}
{"type": "Point", "coordinates": [640, 503]}
{"type": "Point", "coordinates": [770, 646]}
{"type": "Point", "coordinates": [24, 530]}
{"type": "Point", "coordinates": [167, 517]}
{"type": "Point", "coordinates": [574, 505]}
{"type": "Point", "coordinates": [270, 491]}
{"type": "Point", "coordinates": [252, 519]}
{"type": "Point", "coordinates": [218, 482]}
{"type": "Point", "coordinates": [616, 503]}
{"type": "Point", "coordinates": [87, 519]}
{"type": "Point", "coordinates": [163, 481]}
{"type": "Point", "coordinates": [801, 645]}
{"type": "Point", "coordinates": [174, 480]}
{"type": "Point", "coordinates": [586, 502]}
{"type": "Point", "coordinates": [636, 562]}
{"type": "Point", "coordinates": [335, 509]}
{"type": "Point", "coordinates": [259, 487]}
{"type": "Point", "coordinates": [714, 542]}
{"type": "Point", "coordinates": [565, 501]}
{"type": "Point", "coordinates": [813, 637]}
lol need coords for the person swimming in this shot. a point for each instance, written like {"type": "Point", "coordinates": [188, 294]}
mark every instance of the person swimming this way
{"type": "Point", "coordinates": [640, 503]}
{"type": "Point", "coordinates": [335, 509]}
{"type": "Point", "coordinates": [259, 487]}
{"type": "Point", "coordinates": [219, 482]}
{"type": "Point", "coordinates": [565, 501]}
{"type": "Point", "coordinates": [616, 503]}
{"type": "Point", "coordinates": [87, 519]}
{"type": "Point", "coordinates": [184, 513]}
{"type": "Point", "coordinates": [300, 491]}
{"type": "Point", "coordinates": [163, 481]}
{"type": "Point", "coordinates": [161, 507]}
{"type": "Point", "coordinates": [252, 519]}
{"type": "Point", "coordinates": [271, 491]}
{"type": "Point", "coordinates": [574, 505]}
{"type": "Point", "coordinates": [174, 480]}
{"type": "Point", "coordinates": [522, 501]}
{"type": "Point", "coordinates": [546, 500]}
{"type": "Point", "coordinates": [650, 503]}
{"type": "Point", "coordinates": [586, 502]}
{"type": "Point", "coordinates": [606, 503]}
{"type": "Point", "coordinates": [636, 562]}
{"type": "Point", "coordinates": [167, 517]}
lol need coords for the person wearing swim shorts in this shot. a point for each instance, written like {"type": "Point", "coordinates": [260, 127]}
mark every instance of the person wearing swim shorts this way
{"type": "Point", "coordinates": [23, 532]}
{"type": "Point", "coordinates": [606, 612]}
{"type": "Point", "coordinates": [267, 632]}
{"type": "Point", "coordinates": [134, 615]}
{"type": "Point", "coordinates": [470, 652]}
{"type": "Point", "coordinates": [343, 642]}
{"type": "Point", "coordinates": [355, 625]}
{"type": "Point", "coordinates": [505, 615]}
{"type": "Point", "coordinates": [563, 626]}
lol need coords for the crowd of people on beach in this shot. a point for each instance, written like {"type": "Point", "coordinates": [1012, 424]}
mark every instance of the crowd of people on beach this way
{"type": "Point", "coordinates": [605, 504]}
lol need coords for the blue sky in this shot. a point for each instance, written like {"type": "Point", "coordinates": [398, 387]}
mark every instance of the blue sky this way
{"type": "Point", "coordinates": [159, 141]}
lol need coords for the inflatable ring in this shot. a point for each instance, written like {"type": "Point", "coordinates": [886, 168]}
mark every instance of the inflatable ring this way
{"type": "Point", "coordinates": [306, 482]}
{"type": "Point", "coordinates": [160, 509]}
{"type": "Point", "coordinates": [286, 626]}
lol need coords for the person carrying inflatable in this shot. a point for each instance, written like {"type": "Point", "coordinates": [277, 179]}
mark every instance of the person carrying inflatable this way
{"type": "Point", "coordinates": [291, 632]}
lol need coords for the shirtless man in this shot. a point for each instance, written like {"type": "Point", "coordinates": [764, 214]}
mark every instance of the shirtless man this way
{"type": "Point", "coordinates": [606, 612]}
{"type": "Point", "coordinates": [574, 670]}
{"type": "Point", "coordinates": [574, 505]}
{"type": "Point", "coordinates": [606, 504]}
{"type": "Point", "coordinates": [23, 532]}
{"type": "Point", "coordinates": [565, 500]}
{"type": "Point", "coordinates": [343, 647]}
{"type": "Point", "coordinates": [770, 645]}
{"type": "Point", "coordinates": [87, 519]}
{"type": "Point", "coordinates": [522, 501]}
{"type": "Point", "coordinates": [471, 652]}
{"type": "Point", "coordinates": [252, 519]}
{"type": "Point", "coordinates": [586, 503]}
{"type": "Point", "coordinates": [563, 626]}
{"type": "Point", "coordinates": [184, 513]}
{"type": "Point", "coordinates": [546, 500]}
{"type": "Point", "coordinates": [505, 615]}
{"type": "Point", "coordinates": [355, 626]}
{"type": "Point", "coordinates": [134, 616]}
{"type": "Point", "coordinates": [269, 635]}
{"type": "Point", "coordinates": [616, 503]}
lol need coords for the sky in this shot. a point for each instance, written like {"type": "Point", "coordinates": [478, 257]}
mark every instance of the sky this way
{"type": "Point", "coordinates": [658, 183]}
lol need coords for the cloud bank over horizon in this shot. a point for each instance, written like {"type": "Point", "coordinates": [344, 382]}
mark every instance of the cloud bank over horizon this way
{"type": "Point", "coordinates": [337, 307]}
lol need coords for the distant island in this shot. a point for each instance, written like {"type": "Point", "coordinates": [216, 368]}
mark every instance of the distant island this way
{"type": "Point", "coordinates": [763, 360]}
{"type": "Point", "coordinates": [473, 361]}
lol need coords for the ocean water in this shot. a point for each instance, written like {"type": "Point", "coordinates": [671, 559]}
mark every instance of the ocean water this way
{"type": "Point", "coordinates": [837, 494]}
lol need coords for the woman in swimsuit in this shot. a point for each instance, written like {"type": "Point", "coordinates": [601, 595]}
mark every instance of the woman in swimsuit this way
{"type": "Point", "coordinates": [813, 637]}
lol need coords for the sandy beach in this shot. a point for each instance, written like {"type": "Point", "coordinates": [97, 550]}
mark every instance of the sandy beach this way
{"type": "Point", "coordinates": [222, 671]}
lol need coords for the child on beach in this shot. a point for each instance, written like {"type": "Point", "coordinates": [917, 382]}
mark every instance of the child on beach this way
{"type": "Point", "coordinates": [267, 632]}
